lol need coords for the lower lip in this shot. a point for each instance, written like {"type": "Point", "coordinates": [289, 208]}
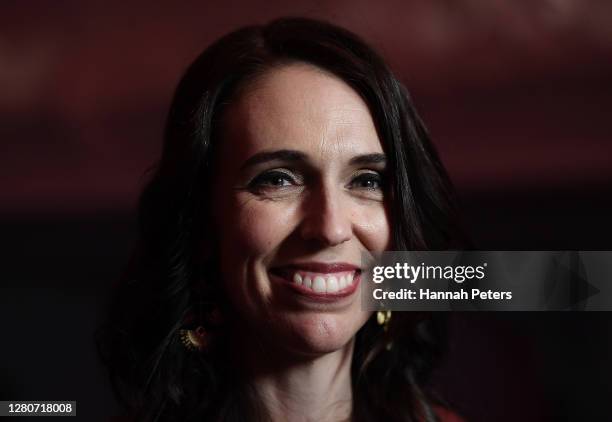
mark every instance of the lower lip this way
{"type": "Point", "coordinates": [321, 297]}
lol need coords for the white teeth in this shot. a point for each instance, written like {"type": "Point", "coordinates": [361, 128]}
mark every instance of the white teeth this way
{"type": "Point", "coordinates": [324, 283]}
{"type": "Point", "coordinates": [332, 285]}
{"type": "Point", "coordinates": [318, 284]}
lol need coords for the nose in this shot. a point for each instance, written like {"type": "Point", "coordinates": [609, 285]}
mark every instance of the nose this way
{"type": "Point", "coordinates": [327, 218]}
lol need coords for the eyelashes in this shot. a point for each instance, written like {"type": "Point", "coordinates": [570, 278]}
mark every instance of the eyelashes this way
{"type": "Point", "coordinates": [273, 179]}
{"type": "Point", "coordinates": [364, 180]}
{"type": "Point", "coordinates": [370, 180]}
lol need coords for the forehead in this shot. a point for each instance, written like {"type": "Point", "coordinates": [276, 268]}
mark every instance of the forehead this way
{"type": "Point", "coordinates": [299, 106]}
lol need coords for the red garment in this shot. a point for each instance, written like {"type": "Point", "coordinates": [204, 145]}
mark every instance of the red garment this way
{"type": "Point", "coordinates": [446, 415]}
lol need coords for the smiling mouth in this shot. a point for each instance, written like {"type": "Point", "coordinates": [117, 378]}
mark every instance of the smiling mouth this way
{"type": "Point", "coordinates": [321, 280]}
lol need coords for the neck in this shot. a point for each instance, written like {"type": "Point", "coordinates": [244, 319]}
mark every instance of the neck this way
{"type": "Point", "coordinates": [298, 388]}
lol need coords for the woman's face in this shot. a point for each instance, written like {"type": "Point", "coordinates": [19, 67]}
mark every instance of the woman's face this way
{"type": "Point", "coordinates": [297, 199]}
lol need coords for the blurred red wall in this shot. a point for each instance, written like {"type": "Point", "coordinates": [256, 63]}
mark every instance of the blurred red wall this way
{"type": "Point", "coordinates": [516, 94]}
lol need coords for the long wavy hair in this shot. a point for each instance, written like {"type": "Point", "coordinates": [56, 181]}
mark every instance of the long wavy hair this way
{"type": "Point", "coordinates": [153, 375]}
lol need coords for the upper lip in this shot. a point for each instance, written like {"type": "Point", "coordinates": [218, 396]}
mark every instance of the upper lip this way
{"type": "Point", "coordinates": [322, 267]}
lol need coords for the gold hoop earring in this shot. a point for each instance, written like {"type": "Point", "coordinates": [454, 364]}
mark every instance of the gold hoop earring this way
{"type": "Point", "coordinates": [193, 340]}
{"type": "Point", "coordinates": [383, 318]}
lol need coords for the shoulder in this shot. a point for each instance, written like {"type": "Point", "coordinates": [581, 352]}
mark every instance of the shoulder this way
{"type": "Point", "coordinates": [446, 415]}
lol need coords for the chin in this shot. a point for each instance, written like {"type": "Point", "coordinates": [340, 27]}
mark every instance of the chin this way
{"type": "Point", "coordinates": [318, 334]}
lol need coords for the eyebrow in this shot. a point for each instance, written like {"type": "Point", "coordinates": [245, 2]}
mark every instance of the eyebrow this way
{"type": "Point", "coordinates": [279, 155]}
{"type": "Point", "coordinates": [374, 158]}
{"type": "Point", "coordinates": [289, 155]}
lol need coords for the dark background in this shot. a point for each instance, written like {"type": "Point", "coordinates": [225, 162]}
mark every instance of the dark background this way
{"type": "Point", "coordinates": [517, 97]}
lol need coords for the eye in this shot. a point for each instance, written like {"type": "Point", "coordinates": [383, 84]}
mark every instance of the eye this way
{"type": "Point", "coordinates": [272, 179]}
{"type": "Point", "coordinates": [367, 181]}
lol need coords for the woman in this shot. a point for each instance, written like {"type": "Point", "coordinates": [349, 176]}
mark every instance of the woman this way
{"type": "Point", "coordinates": [290, 150]}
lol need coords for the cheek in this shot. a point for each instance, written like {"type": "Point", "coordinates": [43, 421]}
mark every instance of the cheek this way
{"type": "Point", "coordinates": [250, 231]}
{"type": "Point", "coordinates": [373, 228]}
{"type": "Point", "coordinates": [257, 226]}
